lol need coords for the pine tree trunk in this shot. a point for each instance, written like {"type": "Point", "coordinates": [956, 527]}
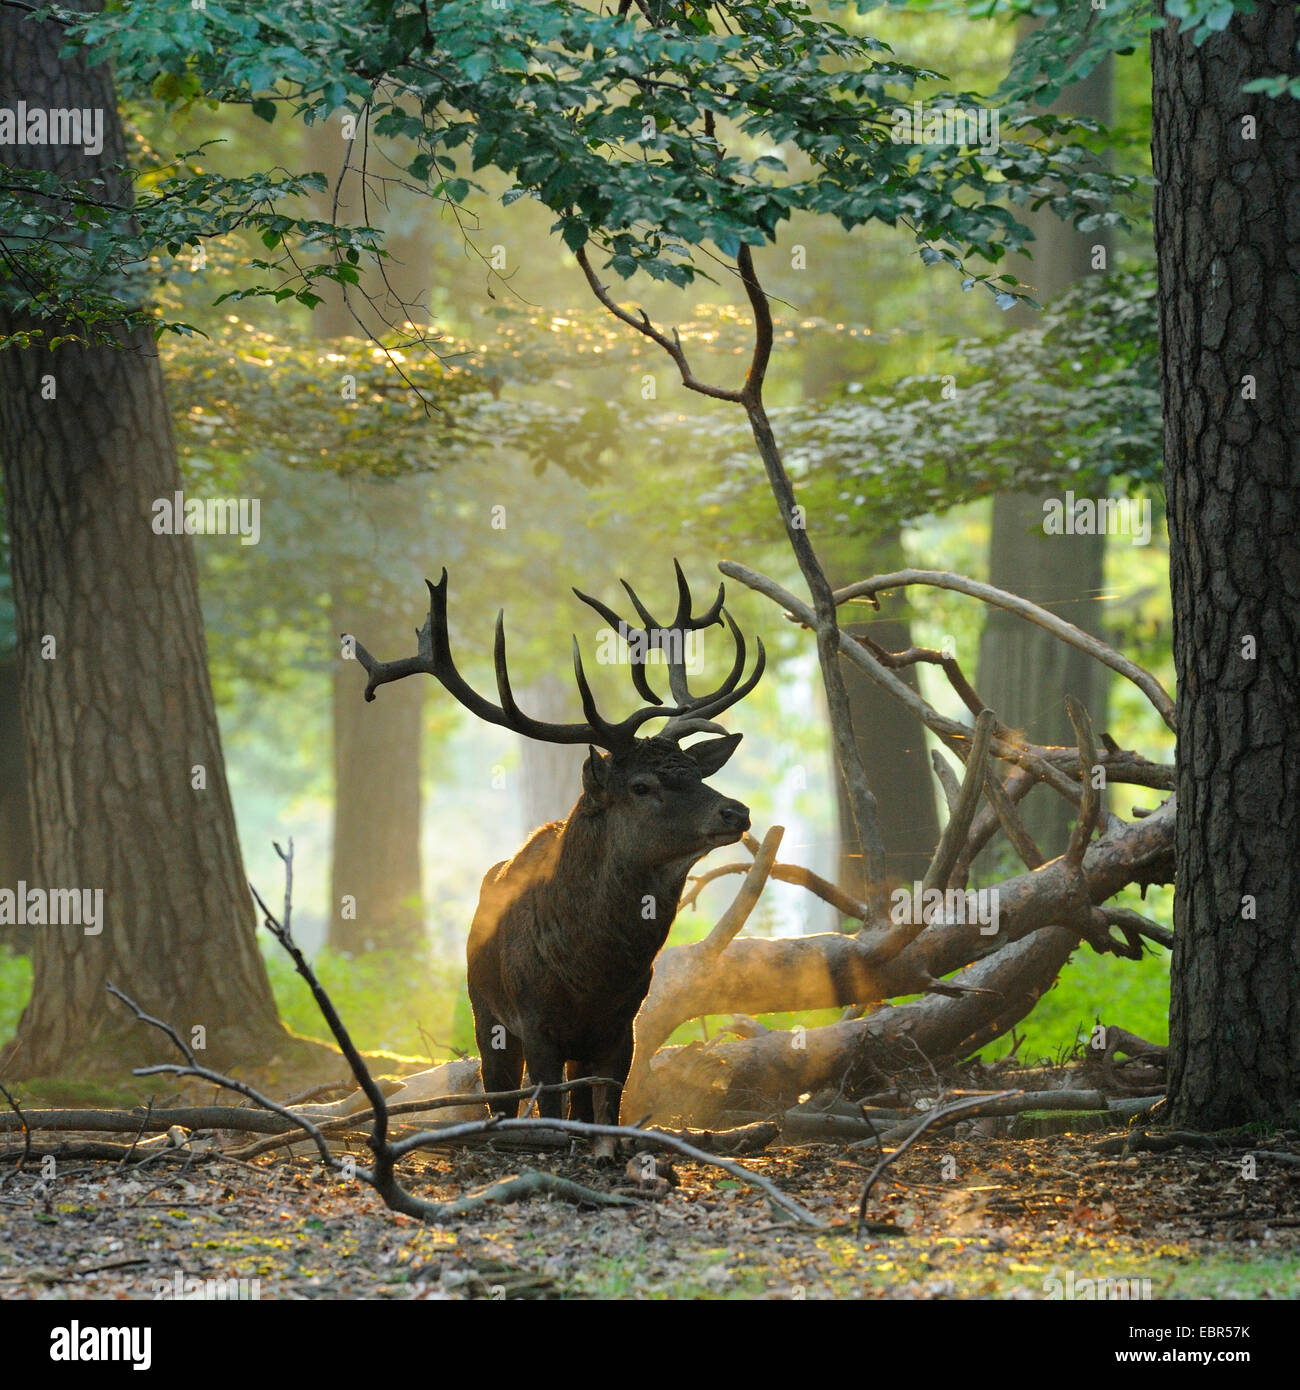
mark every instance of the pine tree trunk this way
{"type": "Point", "coordinates": [1227, 226]}
{"type": "Point", "coordinates": [116, 701]}
{"type": "Point", "coordinates": [15, 803]}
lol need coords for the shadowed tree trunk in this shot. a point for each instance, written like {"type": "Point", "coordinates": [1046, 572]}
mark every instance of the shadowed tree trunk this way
{"type": "Point", "coordinates": [116, 702]}
{"type": "Point", "coordinates": [1228, 240]}
{"type": "Point", "coordinates": [15, 802]}
{"type": "Point", "coordinates": [1024, 673]}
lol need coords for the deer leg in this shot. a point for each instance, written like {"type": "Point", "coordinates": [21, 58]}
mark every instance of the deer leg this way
{"type": "Point", "coordinates": [580, 1103]}
{"type": "Point", "coordinates": [545, 1068]}
{"type": "Point", "coordinates": [617, 1062]}
{"type": "Point", "coordinates": [501, 1057]}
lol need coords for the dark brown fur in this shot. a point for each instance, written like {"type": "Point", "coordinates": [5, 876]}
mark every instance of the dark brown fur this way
{"type": "Point", "coordinates": [563, 943]}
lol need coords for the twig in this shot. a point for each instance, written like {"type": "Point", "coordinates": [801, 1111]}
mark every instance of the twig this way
{"type": "Point", "coordinates": [27, 1133]}
{"type": "Point", "coordinates": [933, 1118]}
{"type": "Point", "coordinates": [972, 788]}
{"type": "Point", "coordinates": [431, 1139]}
{"type": "Point", "coordinates": [192, 1068]}
{"type": "Point", "coordinates": [844, 903]}
{"type": "Point", "coordinates": [144, 1121]}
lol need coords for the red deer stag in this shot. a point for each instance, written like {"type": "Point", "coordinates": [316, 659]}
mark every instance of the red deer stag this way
{"type": "Point", "coordinates": [563, 943]}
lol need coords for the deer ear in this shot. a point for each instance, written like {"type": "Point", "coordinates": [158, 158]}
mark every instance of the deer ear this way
{"type": "Point", "coordinates": [711, 755]}
{"type": "Point", "coordinates": [595, 772]}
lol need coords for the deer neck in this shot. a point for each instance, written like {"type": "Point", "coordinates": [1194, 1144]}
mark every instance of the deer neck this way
{"type": "Point", "coordinates": [642, 899]}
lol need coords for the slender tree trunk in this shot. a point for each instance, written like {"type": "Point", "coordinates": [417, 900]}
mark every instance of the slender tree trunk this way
{"type": "Point", "coordinates": [375, 894]}
{"type": "Point", "coordinates": [866, 813]}
{"type": "Point", "coordinates": [1025, 673]}
{"type": "Point", "coordinates": [116, 701]}
{"type": "Point", "coordinates": [1227, 226]}
{"type": "Point", "coordinates": [890, 740]}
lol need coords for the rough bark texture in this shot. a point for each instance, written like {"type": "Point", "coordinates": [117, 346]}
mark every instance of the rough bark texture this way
{"type": "Point", "coordinates": [1024, 673]}
{"type": "Point", "coordinates": [15, 802]}
{"type": "Point", "coordinates": [120, 709]}
{"type": "Point", "coordinates": [1227, 222]}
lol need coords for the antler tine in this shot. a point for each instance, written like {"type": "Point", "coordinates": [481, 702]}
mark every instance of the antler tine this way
{"type": "Point", "coordinates": [690, 714]}
{"type": "Point", "coordinates": [504, 693]}
{"type": "Point", "coordinates": [642, 611]}
{"type": "Point", "coordinates": [434, 658]}
{"type": "Point", "coordinates": [639, 679]}
{"type": "Point", "coordinates": [381, 672]}
{"type": "Point", "coordinates": [658, 634]}
{"type": "Point", "coordinates": [677, 672]}
{"type": "Point", "coordinates": [611, 735]}
{"type": "Point", "coordinates": [729, 693]}
{"type": "Point", "coordinates": [683, 618]}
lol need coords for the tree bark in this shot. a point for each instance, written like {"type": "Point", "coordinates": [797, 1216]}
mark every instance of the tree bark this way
{"type": "Point", "coordinates": [1227, 226]}
{"type": "Point", "coordinates": [15, 803]}
{"type": "Point", "coordinates": [116, 701]}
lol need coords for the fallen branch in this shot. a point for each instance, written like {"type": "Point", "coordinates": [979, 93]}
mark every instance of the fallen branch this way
{"type": "Point", "coordinates": [936, 1116]}
{"type": "Point", "coordinates": [1016, 1103]}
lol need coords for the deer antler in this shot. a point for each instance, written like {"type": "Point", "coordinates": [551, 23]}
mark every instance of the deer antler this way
{"type": "Point", "coordinates": [693, 711]}
{"type": "Point", "coordinates": [691, 714]}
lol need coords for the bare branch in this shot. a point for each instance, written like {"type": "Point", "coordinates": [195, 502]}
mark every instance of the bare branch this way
{"type": "Point", "coordinates": [27, 1133]}
{"type": "Point", "coordinates": [938, 1114]}
{"type": "Point", "coordinates": [1009, 819]}
{"type": "Point", "coordinates": [672, 346]}
{"type": "Point", "coordinates": [844, 903]}
{"type": "Point", "coordinates": [1090, 809]}
{"type": "Point", "coordinates": [763, 331]}
{"type": "Point", "coordinates": [1031, 612]}
{"type": "Point", "coordinates": [954, 833]}
{"type": "Point", "coordinates": [735, 917]}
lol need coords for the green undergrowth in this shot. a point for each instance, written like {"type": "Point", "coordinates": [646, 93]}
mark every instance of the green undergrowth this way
{"type": "Point", "coordinates": [415, 1006]}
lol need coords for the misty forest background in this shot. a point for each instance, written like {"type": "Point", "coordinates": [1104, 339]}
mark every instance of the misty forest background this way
{"type": "Point", "coordinates": [923, 426]}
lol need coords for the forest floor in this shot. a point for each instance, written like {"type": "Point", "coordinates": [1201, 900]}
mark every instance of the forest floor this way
{"type": "Point", "coordinates": [980, 1218]}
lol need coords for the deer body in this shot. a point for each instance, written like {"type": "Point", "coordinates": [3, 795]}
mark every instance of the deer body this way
{"type": "Point", "coordinates": [562, 946]}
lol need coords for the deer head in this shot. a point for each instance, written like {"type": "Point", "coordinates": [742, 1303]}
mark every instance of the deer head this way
{"type": "Point", "coordinates": [649, 790]}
